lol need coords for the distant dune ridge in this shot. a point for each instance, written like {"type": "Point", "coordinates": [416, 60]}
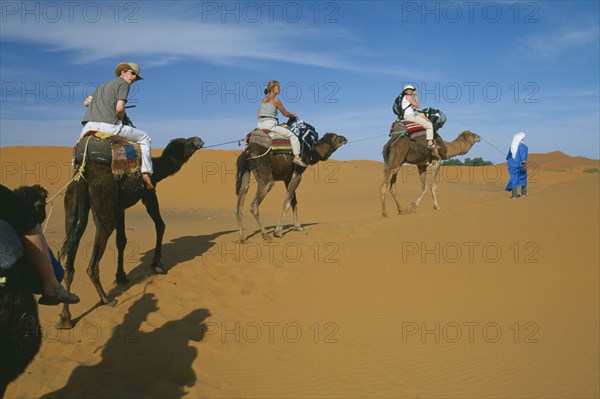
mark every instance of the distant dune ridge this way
{"type": "Point", "coordinates": [486, 297]}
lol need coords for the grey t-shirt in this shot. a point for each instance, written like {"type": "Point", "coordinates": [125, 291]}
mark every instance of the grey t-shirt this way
{"type": "Point", "coordinates": [104, 102]}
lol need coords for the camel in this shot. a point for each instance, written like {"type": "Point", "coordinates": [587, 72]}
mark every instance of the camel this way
{"type": "Point", "coordinates": [269, 168]}
{"type": "Point", "coordinates": [20, 332]}
{"type": "Point", "coordinates": [108, 198]}
{"type": "Point", "coordinates": [398, 151]}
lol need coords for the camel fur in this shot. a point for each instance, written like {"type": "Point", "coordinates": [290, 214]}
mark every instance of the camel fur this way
{"type": "Point", "coordinates": [404, 150]}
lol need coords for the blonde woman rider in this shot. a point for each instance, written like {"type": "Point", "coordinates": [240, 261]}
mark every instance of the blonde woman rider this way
{"type": "Point", "coordinates": [267, 118]}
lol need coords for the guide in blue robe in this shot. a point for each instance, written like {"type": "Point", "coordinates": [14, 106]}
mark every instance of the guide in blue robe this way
{"type": "Point", "coordinates": [517, 164]}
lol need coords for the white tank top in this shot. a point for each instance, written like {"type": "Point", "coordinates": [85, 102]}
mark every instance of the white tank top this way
{"type": "Point", "coordinates": [268, 110]}
{"type": "Point", "coordinates": [407, 107]}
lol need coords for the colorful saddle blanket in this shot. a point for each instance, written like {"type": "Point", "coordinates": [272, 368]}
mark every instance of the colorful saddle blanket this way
{"type": "Point", "coordinates": [307, 135]}
{"type": "Point", "coordinates": [412, 129]}
{"type": "Point", "coordinates": [279, 144]}
{"type": "Point", "coordinates": [267, 138]}
{"type": "Point", "coordinates": [124, 156]}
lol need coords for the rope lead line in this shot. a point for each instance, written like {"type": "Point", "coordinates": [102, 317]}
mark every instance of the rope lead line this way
{"type": "Point", "coordinates": [229, 142]}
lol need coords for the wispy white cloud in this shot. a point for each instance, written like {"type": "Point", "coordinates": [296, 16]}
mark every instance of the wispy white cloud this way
{"type": "Point", "coordinates": [215, 43]}
{"type": "Point", "coordinates": [160, 40]}
{"type": "Point", "coordinates": [555, 44]}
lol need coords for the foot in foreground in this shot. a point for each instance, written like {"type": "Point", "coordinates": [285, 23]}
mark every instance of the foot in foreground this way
{"type": "Point", "coordinates": [57, 296]}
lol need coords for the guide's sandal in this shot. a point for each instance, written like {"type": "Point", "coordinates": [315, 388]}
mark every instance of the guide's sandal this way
{"type": "Point", "coordinates": [61, 296]}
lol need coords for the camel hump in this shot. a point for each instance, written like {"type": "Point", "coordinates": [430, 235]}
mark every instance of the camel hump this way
{"type": "Point", "coordinates": [109, 149]}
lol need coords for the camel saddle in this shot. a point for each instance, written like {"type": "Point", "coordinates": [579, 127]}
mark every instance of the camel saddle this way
{"type": "Point", "coordinates": [307, 135]}
{"type": "Point", "coordinates": [268, 138]}
{"type": "Point", "coordinates": [122, 155]}
{"type": "Point", "coordinates": [408, 128]}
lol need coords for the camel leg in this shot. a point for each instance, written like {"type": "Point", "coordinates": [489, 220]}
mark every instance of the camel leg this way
{"type": "Point", "coordinates": [290, 195]}
{"type": "Point", "coordinates": [434, 173]}
{"type": "Point", "coordinates": [297, 225]}
{"type": "Point", "coordinates": [77, 207]}
{"type": "Point", "coordinates": [104, 204]}
{"type": "Point", "coordinates": [121, 242]}
{"type": "Point", "coordinates": [103, 233]}
{"type": "Point", "coordinates": [261, 192]}
{"type": "Point", "coordinates": [423, 176]}
{"type": "Point", "coordinates": [382, 191]}
{"type": "Point", "coordinates": [394, 193]}
{"type": "Point", "coordinates": [153, 209]}
{"type": "Point", "coordinates": [242, 192]}
{"type": "Point", "coordinates": [389, 175]}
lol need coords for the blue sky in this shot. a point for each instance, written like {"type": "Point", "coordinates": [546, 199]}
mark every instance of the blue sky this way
{"type": "Point", "coordinates": [495, 68]}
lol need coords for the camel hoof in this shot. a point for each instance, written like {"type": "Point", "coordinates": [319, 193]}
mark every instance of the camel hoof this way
{"type": "Point", "coordinates": [278, 234]}
{"type": "Point", "coordinates": [65, 324]}
{"type": "Point", "coordinates": [436, 207]}
{"type": "Point", "coordinates": [298, 228]}
{"type": "Point", "coordinates": [111, 302]}
{"type": "Point", "coordinates": [267, 237]}
{"type": "Point", "coordinates": [158, 269]}
{"type": "Point", "coordinates": [122, 279]}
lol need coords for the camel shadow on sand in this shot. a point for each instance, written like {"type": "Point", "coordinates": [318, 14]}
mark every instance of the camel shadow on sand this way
{"type": "Point", "coordinates": [175, 252]}
{"type": "Point", "coordinates": [286, 229]}
{"type": "Point", "coordinates": [155, 364]}
{"type": "Point", "coordinates": [179, 250]}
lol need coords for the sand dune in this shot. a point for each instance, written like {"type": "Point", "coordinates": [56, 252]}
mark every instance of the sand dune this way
{"type": "Point", "coordinates": [485, 298]}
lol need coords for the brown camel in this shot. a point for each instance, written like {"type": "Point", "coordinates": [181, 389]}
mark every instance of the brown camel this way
{"type": "Point", "coordinates": [404, 150]}
{"type": "Point", "coordinates": [269, 168]}
{"type": "Point", "coordinates": [108, 198]}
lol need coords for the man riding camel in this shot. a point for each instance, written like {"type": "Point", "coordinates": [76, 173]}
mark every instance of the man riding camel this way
{"type": "Point", "coordinates": [106, 113]}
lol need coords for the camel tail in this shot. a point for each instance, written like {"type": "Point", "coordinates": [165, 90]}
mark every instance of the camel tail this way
{"type": "Point", "coordinates": [386, 153]}
{"type": "Point", "coordinates": [77, 207]}
{"type": "Point", "coordinates": [242, 167]}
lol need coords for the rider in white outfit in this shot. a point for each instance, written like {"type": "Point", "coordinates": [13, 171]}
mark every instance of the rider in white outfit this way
{"type": "Point", "coordinates": [267, 119]}
{"type": "Point", "coordinates": [410, 105]}
{"type": "Point", "coordinates": [106, 113]}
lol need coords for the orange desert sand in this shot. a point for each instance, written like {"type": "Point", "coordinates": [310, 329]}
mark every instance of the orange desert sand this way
{"type": "Point", "coordinates": [485, 298]}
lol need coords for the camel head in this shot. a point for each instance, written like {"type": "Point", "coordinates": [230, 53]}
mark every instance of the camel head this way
{"type": "Point", "coordinates": [182, 150]}
{"type": "Point", "coordinates": [37, 195]}
{"type": "Point", "coordinates": [334, 140]}
{"type": "Point", "coordinates": [327, 146]}
{"type": "Point", "coordinates": [469, 137]}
